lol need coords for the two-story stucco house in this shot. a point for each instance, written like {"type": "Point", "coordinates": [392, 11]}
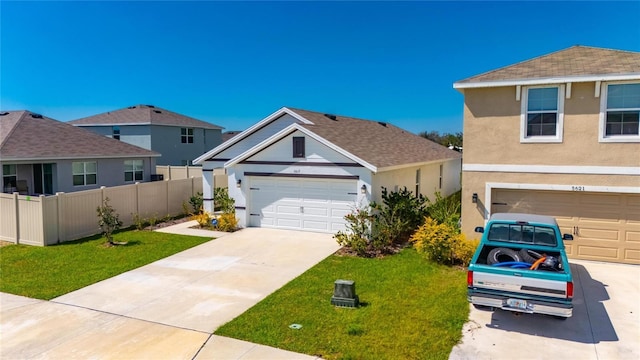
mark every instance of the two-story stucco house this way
{"type": "Point", "coordinates": [178, 138]}
{"type": "Point", "coordinates": [304, 170]}
{"type": "Point", "coordinates": [40, 155]}
{"type": "Point", "coordinates": [558, 135]}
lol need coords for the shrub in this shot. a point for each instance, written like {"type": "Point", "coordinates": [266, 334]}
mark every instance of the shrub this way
{"type": "Point", "coordinates": [202, 218]}
{"type": "Point", "coordinates": [222, 201]}
{"type": "Point", "coordinates": [108, 220]}
{"type": "Point", "coordinates": [227, 222]}
{"type": "Point", "coordinates": [358, 234]}
{"type": "Point", "coordinates": [139, 222]}
{"type": "Point", "coordinates": [398, 216]}
{"type": "Point", "coordinates": [443, 243]}
{"type": "Point", "coordinates": [196, 202]}
{"type": "Point", "coordinates": [446, 210]}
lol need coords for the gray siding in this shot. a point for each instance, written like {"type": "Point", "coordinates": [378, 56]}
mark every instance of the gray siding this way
{"type": "Point", "coordinates": [167, 141]}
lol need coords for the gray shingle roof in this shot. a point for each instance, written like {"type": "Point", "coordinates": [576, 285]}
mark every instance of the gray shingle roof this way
{"type": "Point", "coordinates": [574, 61]}
{"type": "Point", "coordinates": [378, 143]}
{"type": "Point", "coordinates": [25, 136]}
{"type": "Point", "coordinates": [143, 114]}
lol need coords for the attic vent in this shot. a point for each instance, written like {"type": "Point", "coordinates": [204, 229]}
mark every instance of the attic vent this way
{"type": "Point", "coordinates": [4, 113]}
{"type": "Point", "coordinates": [331, 116]}
{"type": "Point", "coordinates": [382, 123]}
{"type": "Point", "coordinates": [131, 107]}
{"type": "Point", "coordinates": [157, 111]}
{"type": "Point", "coordinates": [36, 116]}
{"type": "Point", "coordinates": [151, 106]}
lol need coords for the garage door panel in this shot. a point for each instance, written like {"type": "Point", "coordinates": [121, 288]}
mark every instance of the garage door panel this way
{"type": "Point", "coordinates": [597, 253]}
{"type": "Point", "coordinates": [605, 226]}
{"type": "Point", "coordinates": [301, 203]}
{"type": "Point", "coordinates": [632, 254]}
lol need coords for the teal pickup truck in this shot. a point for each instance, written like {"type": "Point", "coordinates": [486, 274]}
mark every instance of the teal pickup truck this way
{"type": "Point", "coordinates": [521, 265]}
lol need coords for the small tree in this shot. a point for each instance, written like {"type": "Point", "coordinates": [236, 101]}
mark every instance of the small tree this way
{"type": "Point", "coordinates": [108, 220]}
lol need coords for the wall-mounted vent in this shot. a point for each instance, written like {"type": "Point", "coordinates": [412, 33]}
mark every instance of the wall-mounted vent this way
{"type": "Point", "coordinates": [4, 113]}
{"type": "Point", "coordinates": [331, 116]}
{"type": "Point", "coordinates": [36, 116]}
{"type": "Point", "coordinates": [382, 123]}
{"type": "Point", "coordinates": [151, 106]}
{"type": "Point", "coordinates": [157, 111]}
{"type": "Point", "coordinates": [131, 107]}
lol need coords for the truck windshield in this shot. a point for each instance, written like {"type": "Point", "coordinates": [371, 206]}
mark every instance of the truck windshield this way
{"type": "Point", "coordinates": [529, 234]}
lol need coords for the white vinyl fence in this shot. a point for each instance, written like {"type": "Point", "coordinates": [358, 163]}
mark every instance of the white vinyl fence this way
{"type": "Point", "coordinates": [184, 172]}
{"type": "Point", "coordinates": [46, 220]}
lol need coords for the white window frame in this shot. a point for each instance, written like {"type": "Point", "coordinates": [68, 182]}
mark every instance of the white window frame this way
{"type": "Point", "coordinates": [137, 166]}
{"type": "Point", "coordinates": [9, 174]}
{"type": "Point", "coordinates": [602, 137]}
{"type": "Point", "coordinates": [557, 138]}
{"type": "Point", "coordinates": [84, 172]}
{"type": "Point", "coordinates": [188, 135]}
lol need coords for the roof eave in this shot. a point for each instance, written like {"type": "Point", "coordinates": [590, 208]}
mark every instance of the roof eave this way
{"type": "Point", "coordinates": [83, 157]}
{"type": "Point", "coordinates": [547, 80]}
{"type": "Point", "coordinates": [288, 130]}
{"type": "Point", "coordinates": [257, 126]}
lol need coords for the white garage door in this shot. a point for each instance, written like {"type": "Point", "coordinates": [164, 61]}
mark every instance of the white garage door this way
{"type": "Point", "coordinates": [300, 203]}
{"type": "Point", "coordinates": [605, 226]}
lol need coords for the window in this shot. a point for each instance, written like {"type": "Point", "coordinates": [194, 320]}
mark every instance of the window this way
{"type": "Point", "coordinates": [542, 114]}
{"type": "Point", "coordinates": [298, 147]}
{"type": "Point", "coordinates": [85, 173]}
{"type": "Point", "coordinates": [529, 234]}
{"type": "Point", "coordinates": [115, 132]}
{"type": "Point", "coordinates": [9, 177]}
{"type": "Point", "coordinates": [186, 135]}
{"type": "Point", "coordinates": [417, 182]}
{"type": "Point", "coordinates": [440, 181]}
{"type": "Point", "coordinates": [133, 170]}
{"type": "Point", "coordinates": [620, 112]}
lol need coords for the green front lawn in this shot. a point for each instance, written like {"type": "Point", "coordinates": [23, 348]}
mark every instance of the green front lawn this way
{"type": "Point", "coordinates": [412, 309]}
{"type": "Point", "coordinates": [47, 272]}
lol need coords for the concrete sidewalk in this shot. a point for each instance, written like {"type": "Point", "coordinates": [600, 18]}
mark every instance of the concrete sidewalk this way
{"type": "Point", "coordinates": [167, 309]}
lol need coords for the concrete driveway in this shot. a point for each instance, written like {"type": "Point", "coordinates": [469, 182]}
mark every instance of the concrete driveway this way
{"type": "Point", "coordinates": [167, 309]}
{"type": "Point", "coordinates": [605, 322]}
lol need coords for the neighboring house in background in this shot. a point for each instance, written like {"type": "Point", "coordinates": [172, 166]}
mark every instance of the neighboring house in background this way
{"type": "Point", "coordinates": [178, 138]}
{"type": "Point", "coordinates": [229, 134]}
{"type": "Point", "coordinates": [298, 169]}
{"type": "Point", "coordinates": [558, 135]}
{"type": "Point", "coordinates": [40, 155]}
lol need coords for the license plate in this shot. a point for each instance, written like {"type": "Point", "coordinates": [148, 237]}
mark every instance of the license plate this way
{"type": "Point", "coordinates": [517, 303]}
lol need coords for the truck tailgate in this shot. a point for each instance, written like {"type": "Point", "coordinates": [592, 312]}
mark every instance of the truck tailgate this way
{"type": "Point", "coordinates": [520, 281]}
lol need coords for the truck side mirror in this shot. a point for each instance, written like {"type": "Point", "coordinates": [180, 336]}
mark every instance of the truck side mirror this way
{"type": "Point", "coordinates": [567, 237]}
{"type": "Point", "coordinates": [479, 229]}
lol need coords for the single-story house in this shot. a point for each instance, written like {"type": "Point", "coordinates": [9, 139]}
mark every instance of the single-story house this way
{"type": "Point", "coordinates": [178, 138]}
{"type": "Point", "coordinates": [40, 155]}
{"type": "Point", "coordinates": [305, 170]}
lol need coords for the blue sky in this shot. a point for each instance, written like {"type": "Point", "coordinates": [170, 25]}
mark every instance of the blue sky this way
{"type": "Point", "coordinates": [234, 63]}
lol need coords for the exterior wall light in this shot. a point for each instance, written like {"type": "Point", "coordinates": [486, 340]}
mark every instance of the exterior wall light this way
{"type": "Point", "coordinates": [474, 198]}
{"type": "Point", "coordinates": [238, 183]}
{"type": "Point", "coordinates": [363, 189]}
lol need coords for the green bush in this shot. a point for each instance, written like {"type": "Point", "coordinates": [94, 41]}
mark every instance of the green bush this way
{"type": "Point", "coordinates": [108, 220]}
{"type": "Point", "coordinates": [443, 243]}
{"type": "Point", "coordinates": [222, 201]}
{"type": "Point", "coordinates": [196, 202]}
{"type": "Point", "coordinates": [358, 234]}
{"type": "Point", "coordinates": [398, 216]}
{"type": "Point", "coordinates": [446, 210]}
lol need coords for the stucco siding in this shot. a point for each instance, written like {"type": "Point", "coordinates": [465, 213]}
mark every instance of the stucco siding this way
{"type": "Point", "coordinates": [110, 172]}
{"type": "Point", "coordinates": [492, 132]}
{"type": "Point", "coordinates": [429, 179]}
{"type": "Point", "coordinates": [167, 140]}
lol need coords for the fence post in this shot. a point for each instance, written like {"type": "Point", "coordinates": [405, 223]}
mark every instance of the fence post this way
{"type": "Point", "coordinates": [169, 172]}
{"type": "Point", "coordinates": [43, 228]}
{"type": "Point", "coordinates": [61, 232]}
{"type": "Point", "coordinates": [16, 205]}
{"type": "Point", "coordinates": [138, 200]}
